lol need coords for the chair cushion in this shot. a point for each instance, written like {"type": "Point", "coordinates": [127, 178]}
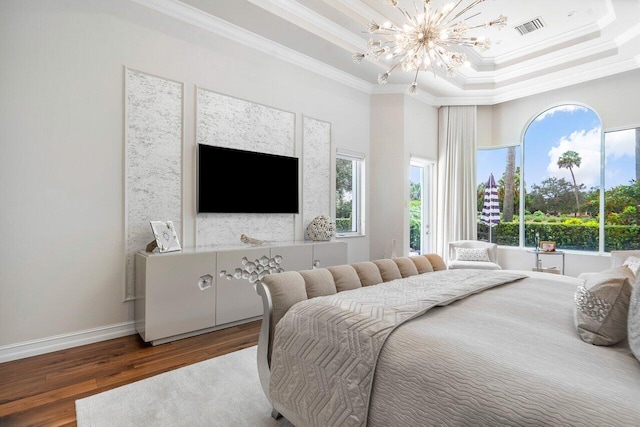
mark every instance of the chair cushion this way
{"type": "Point", "coordinates": [406, 266]}
{"type": "Point", "coordinates": [345, 277]}
{"type": "Point", "coordinates": [480, 265]}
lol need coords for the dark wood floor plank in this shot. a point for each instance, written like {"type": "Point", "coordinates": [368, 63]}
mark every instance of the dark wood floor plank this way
{"type": "Point", "coordinates": [42, 390]}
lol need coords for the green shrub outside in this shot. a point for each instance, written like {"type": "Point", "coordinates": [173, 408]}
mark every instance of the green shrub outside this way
{"type": "Point", "coordinates": [582, 236]}
{"type": "Point", "coordinates": [343, 224]}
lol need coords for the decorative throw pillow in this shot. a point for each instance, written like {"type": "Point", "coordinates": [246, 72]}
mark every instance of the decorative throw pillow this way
{"type": "Point", "coordinates": [602, 306]}
{"type": "Point", "coordinates": [318, 282]}
{"type": "Point", "coordinates": [422, 264]}
{"type": "Point", "coordinates": [634, 264]}
{"type": "Point", "coordinates": [406, 266]}
{"type": "Point", "coordinates": [436, 261]}
{"type": "Point", "coordinates": [633, 327]}
{"type": "Point", "coordinates": [472, 254]}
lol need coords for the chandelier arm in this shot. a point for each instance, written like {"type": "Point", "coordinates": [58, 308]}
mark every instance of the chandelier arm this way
{"type": "Point", "coordinates": [451, 10]}
{"type": "Point", "coordinates": [472, 16]}
{"type": "Point", "coordinates": [441, 58]}
{"type": "Point", "coordinates": [428, 39]}
{"type": "Point", "coordinates": [415, 77]}
{"type": "Point", "coordinates": [466, 9]}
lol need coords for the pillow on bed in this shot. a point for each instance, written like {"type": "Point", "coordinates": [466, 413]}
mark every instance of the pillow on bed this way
{"type": "Point", "coordinates": [633, 327]}
{"type": "Point", "coordinates": [368, 272]}
{"type": "Point", "coordinates": [422, 264]}
{"type": "Point", "coordinates": [602, 306]}
{"type": "Point", "coordinates": [318, 282]}
{"type": "Point", "coordinates": [437, 263]}
{"type": "Point", "coordinates": [406, 266]}
{"type": "Point", "coordinates": [388, 269]}
{"type": "Point", "coordinates": [345, 277]}
{"type": "Point", "coordinates": [472, 254]}
{"type": "Point", "coordinates": [634, 265]}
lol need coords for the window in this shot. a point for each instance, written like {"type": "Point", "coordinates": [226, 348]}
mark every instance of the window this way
{"type": "Point", "coordinates": [621, 189]}
{"type": "Point", "coordinates": [562, 157]}
{"type": "Point", "coordinates": [499, 224]}
{"type": "Point", "coordinates": [579, 189]}
{"type": "Point", "coordinates": [349, 194]}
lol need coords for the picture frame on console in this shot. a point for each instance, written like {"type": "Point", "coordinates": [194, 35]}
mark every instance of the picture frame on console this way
{"type": "Point", "coordinates": [166, 238]}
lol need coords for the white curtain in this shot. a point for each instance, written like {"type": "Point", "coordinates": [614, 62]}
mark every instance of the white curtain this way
{"type": "Point", "coordinates": [456, 176]}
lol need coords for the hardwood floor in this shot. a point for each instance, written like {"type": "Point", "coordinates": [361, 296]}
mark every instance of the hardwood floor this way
{"type": "Point", "coordinates": [42, 390]}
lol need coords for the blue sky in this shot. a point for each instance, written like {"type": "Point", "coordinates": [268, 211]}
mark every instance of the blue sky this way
{"type": "Point", "coordinates": [563, 128]}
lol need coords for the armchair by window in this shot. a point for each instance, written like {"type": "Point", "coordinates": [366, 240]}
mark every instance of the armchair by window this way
{"type": "Point", "coordinates": [473, 254]}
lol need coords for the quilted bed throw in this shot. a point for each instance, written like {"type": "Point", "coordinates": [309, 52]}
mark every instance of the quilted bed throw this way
{"type": "Point", "coordinates": [326, 348]}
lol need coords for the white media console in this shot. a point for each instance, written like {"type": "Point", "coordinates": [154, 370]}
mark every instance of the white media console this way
{"type": "Point", "coordinates": [181, 294]}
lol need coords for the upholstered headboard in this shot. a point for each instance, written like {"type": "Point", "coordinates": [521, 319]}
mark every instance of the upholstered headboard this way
{"type": "Point", "coordinates": [281, 291]}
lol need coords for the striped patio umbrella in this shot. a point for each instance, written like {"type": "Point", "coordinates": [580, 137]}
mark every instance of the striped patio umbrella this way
{"type": "Point", "coordinates": [491, 209]}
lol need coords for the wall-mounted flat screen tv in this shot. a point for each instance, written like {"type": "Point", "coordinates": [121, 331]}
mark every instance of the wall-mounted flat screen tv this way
{"type": "Point", "coordinates": [239, 181]}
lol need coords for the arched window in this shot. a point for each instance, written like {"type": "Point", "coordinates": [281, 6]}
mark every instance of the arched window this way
{"type": "Point", "coordinates": [566, 161]}
{"type": "Point", "coordinates": [566, 164]}
{"type": "Point", "coordinates": [562, 157]}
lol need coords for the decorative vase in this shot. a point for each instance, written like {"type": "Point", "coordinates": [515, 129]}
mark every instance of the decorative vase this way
{"type": "Point", "coordinates": [321, 228]}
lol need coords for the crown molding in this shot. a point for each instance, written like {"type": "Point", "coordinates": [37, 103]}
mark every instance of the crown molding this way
{"type": "Point", "coordinates": [398, 89]}
{"type": "Point", "coordinates": [550, 61]}
{"type": "Point", "coordinates": [568, 78]}
{"type": "Point", "coordinates": [190, 15]}
{"type": "Point", "coordinates": [303, 17]}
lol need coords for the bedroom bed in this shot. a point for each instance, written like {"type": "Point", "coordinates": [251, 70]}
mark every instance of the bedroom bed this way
{"type": "Point", "coordinates": [416, 345]}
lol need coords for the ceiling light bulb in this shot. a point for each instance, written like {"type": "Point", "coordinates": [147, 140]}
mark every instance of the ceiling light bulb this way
{"type": "Point", "coordinates": [427, 39]}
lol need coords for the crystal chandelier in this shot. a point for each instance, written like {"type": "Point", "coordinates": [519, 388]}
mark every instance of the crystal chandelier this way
{"type": "Point", "coordinates": [425, 39]}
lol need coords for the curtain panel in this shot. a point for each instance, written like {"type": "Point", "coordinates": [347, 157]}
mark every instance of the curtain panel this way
{"type": "Point", "coordinates": [457, 143]}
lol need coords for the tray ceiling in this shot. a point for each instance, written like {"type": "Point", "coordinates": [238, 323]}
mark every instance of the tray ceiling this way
{"type": "Point", "coordinates": [581, 40]}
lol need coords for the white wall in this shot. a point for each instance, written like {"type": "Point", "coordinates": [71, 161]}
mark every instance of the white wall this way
{"type": "Point", "coordinates": [386, 184]}
{"type": "Point", "coordinates": [61, 162]}
{"type": "Point", "coordinates": [613, 98]}
{"type": "Point", "coordinates": [400, 127]}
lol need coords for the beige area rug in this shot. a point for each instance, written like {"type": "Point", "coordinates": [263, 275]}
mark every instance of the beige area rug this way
{"type": "Point", "coordinates": [223, 391]}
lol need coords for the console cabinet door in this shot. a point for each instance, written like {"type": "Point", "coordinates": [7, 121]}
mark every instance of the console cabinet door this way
{"type": "Point", "coordinates": [329, 254]}
{"type": "Point", "coordinates": [176, 300]}
{"type": "Point", "coordinates": [237, 298]}
{"type": "Point", "coordinates": [294, 258]}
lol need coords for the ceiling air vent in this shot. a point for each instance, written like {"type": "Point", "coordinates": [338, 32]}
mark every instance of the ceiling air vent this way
{"type": "Point", "coordinates": [530, 26]}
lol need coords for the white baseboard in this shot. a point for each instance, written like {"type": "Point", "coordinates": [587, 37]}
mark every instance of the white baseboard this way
{"type": "Point", "coordinates": [64, 341]}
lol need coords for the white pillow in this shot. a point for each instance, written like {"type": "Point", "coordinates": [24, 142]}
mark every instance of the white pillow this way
{"type": "Point", "coordinates": [633, 322]}
{"type": "Point", "coordinates": [602, 306]}
{"type": "Point", "coordinates": [634, 264]}
{"type": "Point", "coordinates": [472, 254]}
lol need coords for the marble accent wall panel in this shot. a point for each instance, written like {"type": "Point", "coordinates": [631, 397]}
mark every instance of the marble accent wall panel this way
{"type": "Point", "coordinates": [316, 169]}
{"type": "Point", "coordinates": [226, 121]}
{"type": "Point", "coordinates": [153, 161]}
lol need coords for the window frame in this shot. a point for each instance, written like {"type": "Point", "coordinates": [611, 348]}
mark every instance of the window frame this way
{"type": "Point", "coordinates": [358, 189]}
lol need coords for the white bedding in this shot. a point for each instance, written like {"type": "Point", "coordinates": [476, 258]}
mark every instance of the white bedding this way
{"type": "Point", "coordinates": [507, 356]}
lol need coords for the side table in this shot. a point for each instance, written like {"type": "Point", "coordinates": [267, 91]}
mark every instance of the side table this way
{"type": "Point", "coordinates": [538, 265]}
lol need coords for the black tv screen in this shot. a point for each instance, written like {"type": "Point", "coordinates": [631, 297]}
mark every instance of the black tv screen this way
{"type": "Point", "coordinates": [240, 181]}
